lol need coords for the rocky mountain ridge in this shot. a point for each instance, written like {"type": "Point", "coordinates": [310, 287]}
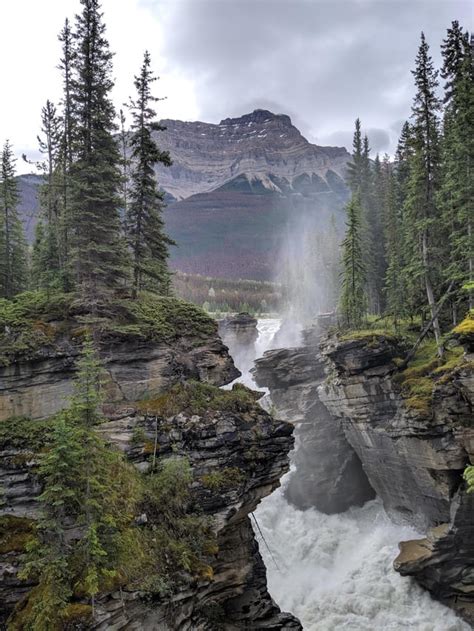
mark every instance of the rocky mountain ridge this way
{"type": "Point", "coordinates": [235, 192]}
{"type": "Point", "coordinates": [256, 152]}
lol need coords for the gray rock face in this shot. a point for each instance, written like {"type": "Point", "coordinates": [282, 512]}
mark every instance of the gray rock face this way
{"type": "Point", "coordinates": [250, 450]}
{"type": "Point", "coordinates": [413, 465]}
{"type": "Point", "coordinates": [329, 474]}
{"type": "Point", "coordinates": [443, 562]}
{"type": "Point", "coordinates": [260, 151]}
{"type": "Point", "coordinates": [254, 445]}
{"type": "Point", "coordinates": [40, 386]}
{"type": "Point", "coordinates": [414, 461]}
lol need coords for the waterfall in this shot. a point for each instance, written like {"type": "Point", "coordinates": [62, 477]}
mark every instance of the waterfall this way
{"type": "Point", "coordinates": [335, 571]}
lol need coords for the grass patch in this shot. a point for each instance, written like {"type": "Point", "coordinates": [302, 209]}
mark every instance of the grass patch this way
{"type": "Point", "coordinates": [224, 479]}
{"type": "Point", "coordinates": [374, 328]}
{"type": "Point", "coordinates": [199, 398]}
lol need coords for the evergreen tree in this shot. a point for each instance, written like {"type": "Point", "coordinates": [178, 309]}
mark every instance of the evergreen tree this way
{"type": "Point", "coordinates": [47, 560]}
{"type": "Point", "coordinates": [66, 66]}
{"type": "Point", "coordinates": [375, 241]}
{"type": "Point", "coordinates": [395, 291]}
{"type": "Point", "coordinates": [145, 227]}
{"type": "Point", "coordinates": [99, 255]}
{"type": "Point", "coordinates": [355, 167]}
{"type": "Point", "coordinates": [13, 249]}
{"type": "Point", "coordinates": [46, 268]}
{"type": "Point", "coordinates": [353, 302]}
{"type": "Point", "coordinates": [125, 162]}
{"type": "Point", "coordinates": [82, 485]}
{"type": "Point", "coordinates": [422, 214]}
{"type": "Point", "coordinates": [457, 189]}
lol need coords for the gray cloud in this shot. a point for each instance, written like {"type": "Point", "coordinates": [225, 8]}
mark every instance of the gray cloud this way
{"type": "Point", "coordinates": [323, 62]}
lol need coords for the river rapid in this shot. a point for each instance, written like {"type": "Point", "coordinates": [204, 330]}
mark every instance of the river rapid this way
{"type": "Point", "coordinates": [334, 572]}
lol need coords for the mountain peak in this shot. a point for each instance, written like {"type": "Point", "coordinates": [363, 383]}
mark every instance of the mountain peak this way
{"type": "Point", "coordinates": [258, 117]}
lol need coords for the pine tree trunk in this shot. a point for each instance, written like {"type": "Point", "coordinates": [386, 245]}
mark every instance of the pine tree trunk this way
{"type": "Point", "coordinates": [430, 296]}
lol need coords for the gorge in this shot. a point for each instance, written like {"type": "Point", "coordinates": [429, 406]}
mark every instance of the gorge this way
{"type": "Point", "coordinates": [336, 570]}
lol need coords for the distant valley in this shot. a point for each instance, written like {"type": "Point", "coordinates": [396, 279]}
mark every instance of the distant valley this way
{"type": "Point", "coordinates": [235, 190]}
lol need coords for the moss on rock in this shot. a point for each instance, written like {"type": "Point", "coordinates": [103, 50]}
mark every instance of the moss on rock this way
{"type": "Point", "coordinates": [34, 320]}
{"type": "Point", "coordinates": [195, 397]}
{"type": "Point", "coordinates": [15, 533]}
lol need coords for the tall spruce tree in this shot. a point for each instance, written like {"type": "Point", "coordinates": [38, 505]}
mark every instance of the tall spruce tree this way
{"type": "Point", "coordinates": [394, 288]}
{"type": "Point", "coordinates": [375, 238]}
{"type": "Point", "coordinates": [82, 488]}
{"type": "Point", "coordinates": [145, 227]}
{"type": "Point", "coordinates": [353, 302]}
{"type": "Point", "coordinates": [46, 261]}
{"type": "Point", "coordinates": [125, 161]}
{"type": "Point", "coordinates": [99, 255]}
{"type": "Point", "coordinates": [66, 67]}
{"type": "Point", "coordinates": [355, 167]}
{"type": "Point", "coordinates": [457, 188]}
{"type": "Point", "coordinates": [13, 249]}
{"type": "Point", "coordinates": [422, 213]}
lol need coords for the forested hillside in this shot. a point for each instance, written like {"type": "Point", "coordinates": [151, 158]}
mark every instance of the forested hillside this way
{"type": "Point", "coordinates": [408, 249]}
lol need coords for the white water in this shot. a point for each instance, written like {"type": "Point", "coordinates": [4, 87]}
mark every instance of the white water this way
{"type": "Point", "coordinates": [335, 571]}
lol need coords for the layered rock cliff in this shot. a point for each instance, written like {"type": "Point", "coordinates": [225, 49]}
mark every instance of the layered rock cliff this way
{"type": "Point", "coordinates": [363, 425]}
{"type": "Point", "coordinates": [157, 406]}
{"type": "Point", "coordinates": [414, 436]}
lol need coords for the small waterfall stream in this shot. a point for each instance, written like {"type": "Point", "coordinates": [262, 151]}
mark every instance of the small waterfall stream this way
{"type": "Point", "coordinates": [335, 571]}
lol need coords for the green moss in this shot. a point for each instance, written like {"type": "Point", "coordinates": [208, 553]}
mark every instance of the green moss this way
{"type": "Point", "coordinates": [76, 613]}
{"type": "Point", "coordinates": [35, 319]}
{"type": "Point", "coordinates": [227, 478]}
{"type": "Point", "coordinates": [28, 321]}
{"type": "Point", "coordinates": [418, 380]}
{"type": "Point", "coordinates": [200, 398]}
{"type": "Point", "coordinates": [375, 328]}
{"type": "Point", "coordinates": [371, 335]}
{"type": "Point", "coordinates": [468, 476]}
{"type": "Point", "coordinates": [21, 432]}
{"type": "Point", "coordinates": [15, 533]}
{"type": "Point", "coordinates": [166, 318]}
{"type": "Point", "coordinates": [466, 327]}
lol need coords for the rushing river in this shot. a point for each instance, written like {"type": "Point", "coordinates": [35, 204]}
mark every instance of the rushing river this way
{"type": "Point", "coordinates": [334, 572]}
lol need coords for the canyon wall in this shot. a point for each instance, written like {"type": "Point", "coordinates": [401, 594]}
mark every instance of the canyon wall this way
{"type": "Point", "coordinates": [236, 450]}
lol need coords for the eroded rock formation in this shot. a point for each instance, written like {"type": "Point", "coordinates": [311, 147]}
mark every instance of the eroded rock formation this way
{"type": "Point", "coordinates": [329, 474]}
{"type": "Point", "coordinates": [414, 453]}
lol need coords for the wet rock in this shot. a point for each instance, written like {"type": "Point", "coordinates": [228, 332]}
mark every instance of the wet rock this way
{"type": "Point", "coordinates": [443, 562]}
{"type": "Point", "coordinates": [240, 329]}
{"type": "Point", "coordinates": [329, 475]}
{"type": "Point", "coordinates": [414, 459]}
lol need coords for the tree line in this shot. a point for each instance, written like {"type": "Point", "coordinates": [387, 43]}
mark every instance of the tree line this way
{"type": "Point", "coordinates": [408, 247]}
{"type": "Point", "coordinates": [100, 229]}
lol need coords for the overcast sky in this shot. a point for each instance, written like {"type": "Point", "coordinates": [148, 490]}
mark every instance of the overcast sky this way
{"type": "Point", "coordinates": [323, 62]}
